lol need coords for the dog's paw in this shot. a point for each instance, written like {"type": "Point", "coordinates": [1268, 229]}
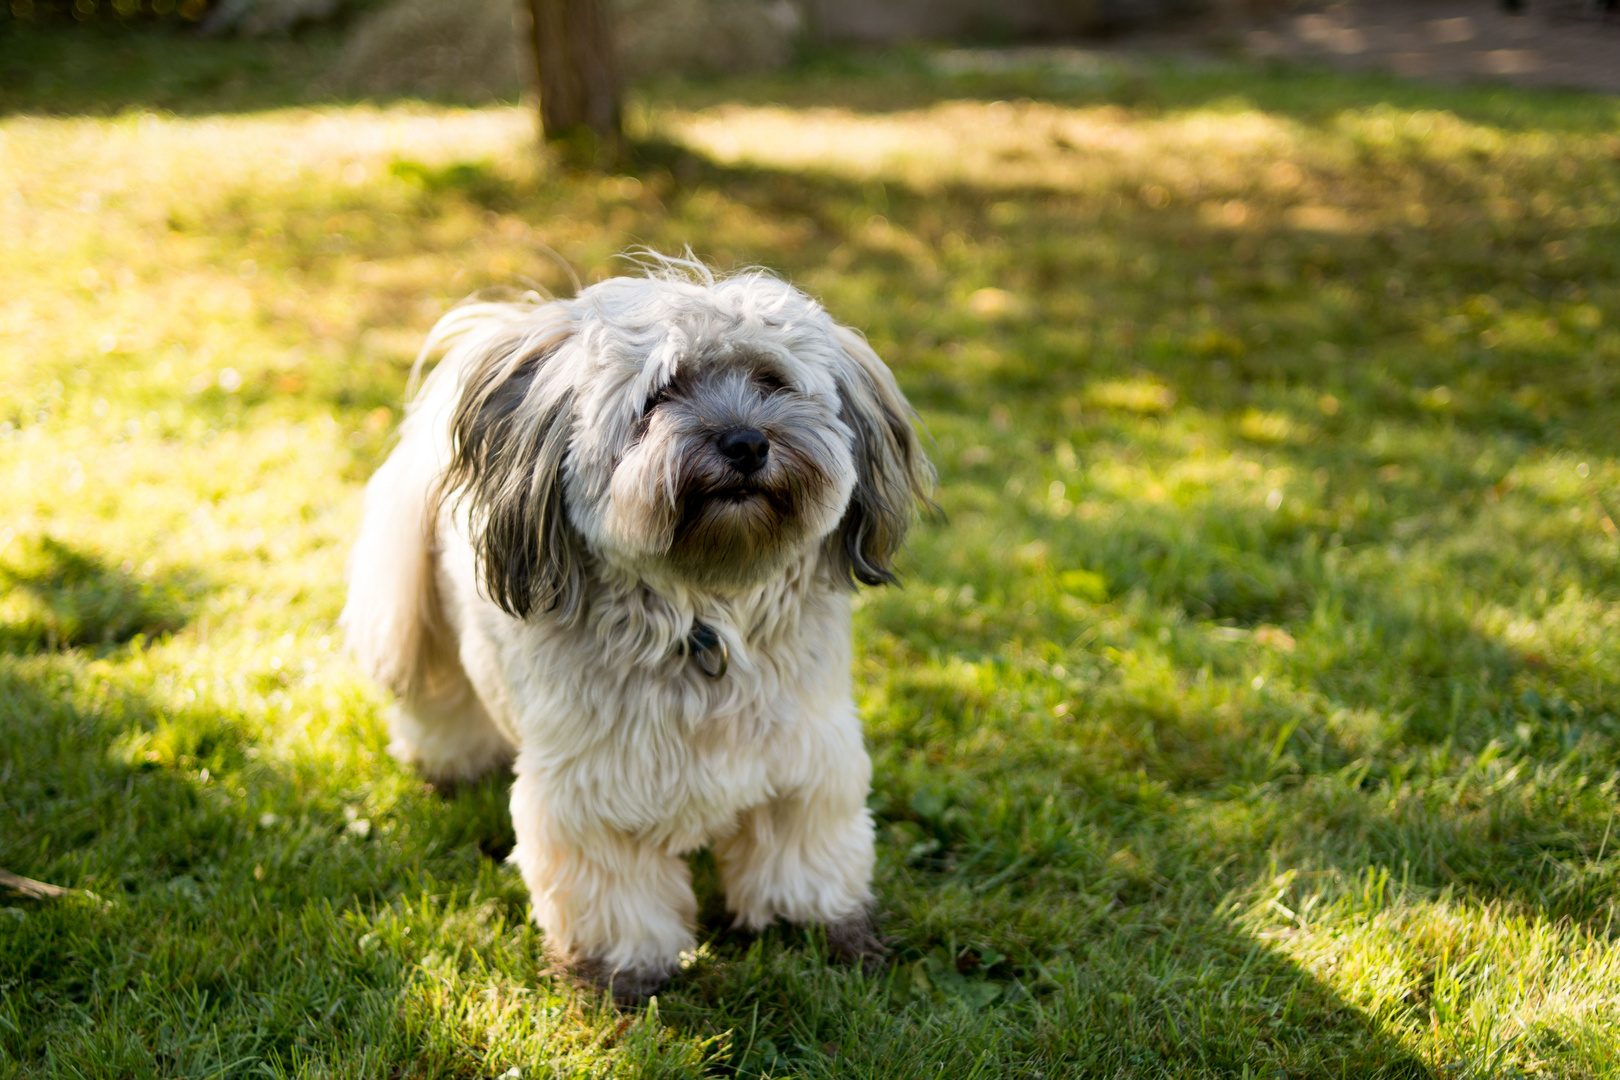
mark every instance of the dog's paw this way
{"type": "Point", "coordinates": [854, 940]}
{"type": "Point", "coordinates": [628, 987]}
{"type": "Point", "coordinates": [450, 779]}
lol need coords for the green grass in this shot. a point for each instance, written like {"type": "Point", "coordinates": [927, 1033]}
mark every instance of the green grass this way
{"type": "Point", "coordinates": [1253, 715]}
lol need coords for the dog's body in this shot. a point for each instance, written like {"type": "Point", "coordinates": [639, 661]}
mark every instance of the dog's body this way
{"type": "Point", "coordinates": [597, 505]}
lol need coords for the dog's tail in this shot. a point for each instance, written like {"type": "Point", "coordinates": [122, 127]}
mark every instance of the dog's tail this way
{"type": "Point", "coordinates": [393, 619]}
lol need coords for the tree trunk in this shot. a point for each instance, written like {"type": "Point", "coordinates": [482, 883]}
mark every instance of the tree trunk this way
{"type": "Point", "coordinates": [574, 70]}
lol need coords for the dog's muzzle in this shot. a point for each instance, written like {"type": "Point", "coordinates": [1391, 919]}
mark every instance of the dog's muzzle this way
{"type": "Point", "coordinates": [704, 645]}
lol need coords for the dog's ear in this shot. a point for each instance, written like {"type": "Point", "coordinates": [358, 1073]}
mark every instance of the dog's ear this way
{"type": "Point", "coordinates": [891, 472]}
{"type": "Point", "coordinates": [509, 435]}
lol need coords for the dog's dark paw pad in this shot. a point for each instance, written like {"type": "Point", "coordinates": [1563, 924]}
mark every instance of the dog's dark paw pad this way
{"type": "Point", "coordinates": [446, 789]}
{"type": "Point", "coordinates": [854, 940]}
{"type": "Point", "coordinates": [627, 987]}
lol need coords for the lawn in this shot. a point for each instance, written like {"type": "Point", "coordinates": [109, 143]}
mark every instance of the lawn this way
{"type": "Point", "coordinates": [1255, 711]}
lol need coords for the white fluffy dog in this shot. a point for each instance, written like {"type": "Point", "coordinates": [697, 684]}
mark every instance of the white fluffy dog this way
{"type": "Point", "coordinates": [614, 548]}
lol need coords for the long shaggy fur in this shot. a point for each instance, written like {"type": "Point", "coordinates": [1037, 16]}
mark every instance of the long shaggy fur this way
{"type": "Point", "coordinates": [578, 487]}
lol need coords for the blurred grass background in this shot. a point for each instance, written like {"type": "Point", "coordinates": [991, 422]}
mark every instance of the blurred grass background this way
{"type": "Point", "coordinates": [1254, 713]}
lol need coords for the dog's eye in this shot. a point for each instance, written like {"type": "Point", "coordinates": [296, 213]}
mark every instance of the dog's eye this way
{"type": "Point", "coordinates": [655, 401]}
{"type": "Point", "coordinates": [769, 383]}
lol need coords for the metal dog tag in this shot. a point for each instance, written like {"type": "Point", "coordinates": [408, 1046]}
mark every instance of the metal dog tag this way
{"type": "Point", "coordinates": [709, 650]}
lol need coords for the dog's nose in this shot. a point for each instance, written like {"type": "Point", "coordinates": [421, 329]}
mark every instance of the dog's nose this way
{"type": "Point", "coordinates": [745, 448]}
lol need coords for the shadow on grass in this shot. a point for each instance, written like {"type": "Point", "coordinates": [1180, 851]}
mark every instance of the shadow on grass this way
{"type": "Point", "coordinates": [64, 597]}
{"type": "Point", "coordinates": [903, 79]}
{"type": "Point", "coordinates": [225, 889]}
{"type": "Point", "coordinates": [102, 71]}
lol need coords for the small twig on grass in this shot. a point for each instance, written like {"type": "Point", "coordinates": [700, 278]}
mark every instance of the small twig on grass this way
{"type": "Point", "coordinates": [39, 890]}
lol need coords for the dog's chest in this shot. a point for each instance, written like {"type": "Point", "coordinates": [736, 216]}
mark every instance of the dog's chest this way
{"type": "Point", "coordinates": [663, 751]}
{"type": "Point", "coordinates": [628, 733]}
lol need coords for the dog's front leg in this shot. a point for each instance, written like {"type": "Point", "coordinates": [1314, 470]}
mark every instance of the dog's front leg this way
{"type": "Point", "coordinates": [617, 912]}
{"type": "Point", "coordinates": [806, 855]}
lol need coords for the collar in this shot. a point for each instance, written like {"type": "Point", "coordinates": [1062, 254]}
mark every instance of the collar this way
{"type": "Point", "coordinates": [706, 646]}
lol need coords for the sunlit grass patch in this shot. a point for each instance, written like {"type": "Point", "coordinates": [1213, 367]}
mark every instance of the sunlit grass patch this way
{"type": "Point", "coordinates": [1133, 395]}
{"type": "Point", "coordinates": [1253, 711]}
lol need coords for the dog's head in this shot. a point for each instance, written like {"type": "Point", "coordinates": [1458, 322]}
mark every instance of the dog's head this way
{"type": "Point", "coordinates": [678, 427]}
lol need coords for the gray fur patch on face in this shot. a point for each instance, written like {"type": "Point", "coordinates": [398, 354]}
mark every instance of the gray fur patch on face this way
{"type": "Point", "coordinates": [677, 497]}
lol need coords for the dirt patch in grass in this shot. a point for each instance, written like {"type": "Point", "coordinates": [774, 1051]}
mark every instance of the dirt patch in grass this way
{"type": "Point", "coordinates": [1562, 43]}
